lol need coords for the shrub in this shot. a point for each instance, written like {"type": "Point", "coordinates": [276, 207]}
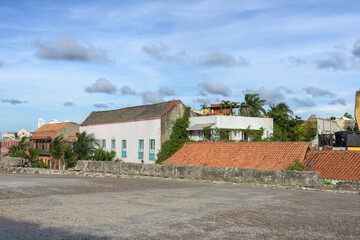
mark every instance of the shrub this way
{"type": "Point", "coordinates": [298, 166]}
{"type": "Point", "coordinates": [177, 139]}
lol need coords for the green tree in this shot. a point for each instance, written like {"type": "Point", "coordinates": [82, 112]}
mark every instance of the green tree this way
{"type": "Point", "coordinates": [225, 105]}
{"type": "Point", "coordinates": [85, 146]}
{"type": "Point", "coordinates": [348, 115]}
{"type": "Point", "coordinates": [101, 155]}
{"type": "Point", "coordinates": [284, 122]}
{"type": "Point", "coordinates": [21, 150]}
{"type": "Point", "coordinates": [57, 149]}
{"type": "Point", "coordinates": [69, 156]}
{"type": "Point", "coordinates": [234, 105]}
{"type": "Point", "coordinates": [33, 154]}
{"type": "Point", "coordinates": [305, 131]}
{"type": "Point", "coordinates": [256, 104]}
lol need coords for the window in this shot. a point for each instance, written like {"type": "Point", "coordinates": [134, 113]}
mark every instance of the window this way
{"type": "Point", "coordinates": [141, 149]}
{"type": "Point", "coordinates": [103, 143]}
{"type": "Point", "coordinates": [152, 149]}
{"type": "Point", "coordinates": [123, 148]}
{"type": "Point", "coordinates": [113, 147]}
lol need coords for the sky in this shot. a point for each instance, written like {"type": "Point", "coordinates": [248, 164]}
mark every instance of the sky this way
{"type": "Point", "coordinates": [64, 59]}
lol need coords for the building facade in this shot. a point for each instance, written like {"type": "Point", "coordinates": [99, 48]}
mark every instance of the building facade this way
{"type": "Point", "coordinates": [233, 124]}
{"type": "Point", "coordinates": [134, 133]}
{"type": "Point", "coordinates": [43, 137]}
{"type": "Point", "coordinates": [12, 139]}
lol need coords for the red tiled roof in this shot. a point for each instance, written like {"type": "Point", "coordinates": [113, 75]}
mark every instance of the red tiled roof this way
{"type": "Point", "coordinates": [51, 127]}
{"type": "Point", "coordinates": [339, 165]}
{"type": "Point", "coordinates": [260, 155]}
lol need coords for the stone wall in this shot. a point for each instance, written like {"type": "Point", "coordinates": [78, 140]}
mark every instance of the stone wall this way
{"type": "Point", "coordinates": [236, 175]}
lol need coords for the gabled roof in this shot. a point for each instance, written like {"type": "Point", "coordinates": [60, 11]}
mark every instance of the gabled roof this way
{"type": "Point", "coordinates": [339, 165]}
{"type": "Point", "coordinates": [55, 127]}
{"type": "Point", "coordinates": [260, 155]}
{"type": "Point", "coordinates": [143, 112]}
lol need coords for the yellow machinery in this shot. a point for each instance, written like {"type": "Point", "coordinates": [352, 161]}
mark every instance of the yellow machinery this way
{"type": "Point", "coordinates": [357, 109]}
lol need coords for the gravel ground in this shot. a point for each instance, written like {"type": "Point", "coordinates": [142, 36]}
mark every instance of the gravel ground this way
{"type": "Point", "coordinates": [68, 207]}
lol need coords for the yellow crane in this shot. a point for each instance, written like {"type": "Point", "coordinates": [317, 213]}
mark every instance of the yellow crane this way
{"type": "Point", "coordinates": [357, 109]}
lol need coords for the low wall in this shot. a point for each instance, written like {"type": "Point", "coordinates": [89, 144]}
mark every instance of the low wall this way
{"type": "Point", "coordinates": [236, 175]}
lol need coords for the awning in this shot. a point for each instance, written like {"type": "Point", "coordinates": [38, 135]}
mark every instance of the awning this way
{"type": "Point", "coordinates": [199, 126]}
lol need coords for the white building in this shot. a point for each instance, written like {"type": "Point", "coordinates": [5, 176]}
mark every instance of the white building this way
{"type": "Point", "coordinates": [233, 124]}
{"type": "Point", "coordinates": [134, 133]}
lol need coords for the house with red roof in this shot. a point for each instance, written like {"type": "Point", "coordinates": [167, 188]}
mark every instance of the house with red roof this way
{"type": "Point", "coordinates": [333, 165]}
{"type": "Point", "coordinates": [134, 133]}
{"type": "Point", "coordinates": [43, 137]}
{"type": "Point", "coordinates": [260, 155]}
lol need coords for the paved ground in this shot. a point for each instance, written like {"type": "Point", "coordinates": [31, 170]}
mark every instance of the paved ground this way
{"type": "Point", "coordinates": [63, 207]}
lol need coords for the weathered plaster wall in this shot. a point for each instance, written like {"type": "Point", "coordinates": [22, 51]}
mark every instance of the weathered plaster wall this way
{"type": "Point", "coordinates": [69, 130]}
{"type": "Point", "coordinates": [169, 119]}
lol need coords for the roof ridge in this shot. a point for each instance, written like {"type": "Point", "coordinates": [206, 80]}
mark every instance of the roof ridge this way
{"type": "Point", "coordinates": [135, 106]}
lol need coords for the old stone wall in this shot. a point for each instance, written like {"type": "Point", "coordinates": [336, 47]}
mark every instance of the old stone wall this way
{"type": "Point", "coordinates": [236, 175]}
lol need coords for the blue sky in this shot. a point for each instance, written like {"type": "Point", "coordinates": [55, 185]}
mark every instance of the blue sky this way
{"type": "Point", "coordinates": [64, 59]}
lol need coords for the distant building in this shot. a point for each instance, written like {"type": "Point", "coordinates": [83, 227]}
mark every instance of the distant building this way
{"type": "Point", "coordinates": [134, 133]}
{"type": "Point", "coordinates": [235, 125]}
{"type": "Point", "coordinates": [43, 137]}
{"type": "Point", "coordinates": [12, 139]}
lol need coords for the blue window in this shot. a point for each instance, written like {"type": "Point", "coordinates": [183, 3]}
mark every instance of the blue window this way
{"type": "Point", "coordinates": [103, 143]}
{"type": "Point", "coordinates": [113, 145]}
{"type": "Point", "coordinates": [123, 148]}
{"type": "Point", "coordinates": [152, 149]}
{"type": "Point", "coordinates": [141, 149]}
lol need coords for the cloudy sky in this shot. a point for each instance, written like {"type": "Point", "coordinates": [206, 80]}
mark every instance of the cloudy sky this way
{"type": "Point", "coordinates": [64, 59]}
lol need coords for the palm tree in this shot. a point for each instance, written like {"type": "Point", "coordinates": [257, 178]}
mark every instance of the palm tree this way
{"type": "Point", "coordinates": [234, 105]}
{"type": "Point", "coordinates": [256, 104]}
{"type": "Point", "coordinates": [21, 149]}
{"type": "Point", "coordinates": [84, 147]}
{"type": "Point", "coordinates": [348, 115]}
{"type": "Point", "coordinates": [57, 149]}
{"type": "Point", "coordinates": [69, 156]}
{"type": "Point", "coordinates": [282, 108]}
{"type": "Point", "coordinates": [33, 154]}
{"type": "Point", "coordinates": [225, 104]}
{"type": "Point", "coordinates": [101, 155]}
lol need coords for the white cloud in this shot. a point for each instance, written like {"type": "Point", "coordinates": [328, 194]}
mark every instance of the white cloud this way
{"type": "Point", "coordinates": [217, 58]}
{"type": "Point", "coordinates": [66, 49]}
{"type": "Point", "coordinates": [165, 91]}
{"type": "Point", "coordinates": [214, 88]}
{"type": "Point", "coordinates": [101, 85]}
{"type": "Point", "coordinates": [149, 97]}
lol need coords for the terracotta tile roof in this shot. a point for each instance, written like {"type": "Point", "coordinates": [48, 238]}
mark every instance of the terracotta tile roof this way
{"type": "Point", "coordinates": [130, 113]}
{"type": "Point", "coordinates": [260, 155]}
{"type": "Point", "coordinates": [51, 127]}
{"type": "Point", "coordinates": [339, 165]}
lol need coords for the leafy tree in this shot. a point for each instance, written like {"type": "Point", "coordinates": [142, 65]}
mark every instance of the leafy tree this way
{"type": "Point", "coordinates": [57, 149]}
{"type": "Point", "coordinates": [305, 132]}
{"type": "Point", "coordinates": [225, 105]}
{"type": "Point", "coordinates": [33, 154]}
{"type": "Point", "coordinates": [348, 115]}
{"type": "Point", "coordinates": [85, 146]}
{"type": "Point", "coordinates": [21, 149]}
{"type": "Point", "coordinates": [256, 104]}
{"type": "Point", "coordinates": [69, 156]}
{"type": "Point", "coordinates": [284, 122]}
{"type": "Point", "coordinates": [234, 105]}
{"type": "Point", "coordinates": [101, 155]}
{"type": "Point", "coordinates": [204, 106]}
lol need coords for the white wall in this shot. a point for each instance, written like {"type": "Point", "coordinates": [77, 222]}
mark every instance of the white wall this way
{"type": "Point", "coordinates": [131, 132]}
{"type": "Point", "coordinates": [233, 122]}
